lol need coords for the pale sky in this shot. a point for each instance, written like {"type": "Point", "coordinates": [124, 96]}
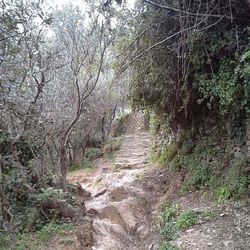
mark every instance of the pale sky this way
{"type": "Point", "coordinates": [59, 3]}
{"type": "Point", "coordinates": [130, 4]}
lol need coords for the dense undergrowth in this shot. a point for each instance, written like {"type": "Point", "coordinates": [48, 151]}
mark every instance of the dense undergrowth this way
{"type": "Point", "coordinates": [197, 73]}
{"type": "Point", "coordinates": [212, 163]}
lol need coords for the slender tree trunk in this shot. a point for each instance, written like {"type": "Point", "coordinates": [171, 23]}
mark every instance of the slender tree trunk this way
{"type": "Point", "coordinates": [63, 152]}
{"type": "Point", "coordinates": [102, 127]}
{"type": "Point", "coordinates": [63, 165]}
{"type": "Point", "coordinates": [111, 120]}
{"type": "Point", "coordinates": [1, 197]}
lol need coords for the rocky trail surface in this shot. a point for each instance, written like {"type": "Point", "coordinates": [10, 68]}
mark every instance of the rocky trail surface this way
{"type": "Point", "coordinates": [125, 201]}
{"type": "Point", "coordinates": [120, 206]}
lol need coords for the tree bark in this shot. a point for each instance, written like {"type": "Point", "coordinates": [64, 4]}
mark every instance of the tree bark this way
{"type": "Point", "coordinates": [103, 126]}
{"type": "Point", "coordinates": [63, 150]}
{"type": "Point", "coordinates": [111, 119]}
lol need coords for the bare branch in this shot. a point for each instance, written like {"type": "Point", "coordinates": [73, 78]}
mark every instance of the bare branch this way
{"type": "Point", "coordinates": [185, 12]}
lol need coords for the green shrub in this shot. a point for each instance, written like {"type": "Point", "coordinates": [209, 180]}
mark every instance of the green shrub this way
{"type": "Point", "coordinates": [231, 190]}
{"type": "Point", "coordinates": [168, 213]}
{"type": "Point", "coordinates": [233, 184]}
{"type": "Point", "coordinates": [50, 193]}
{"type": "Point", "coordinates": [176, 163]}
{"type": "Point", "coordinates": [168, 153]}
{"type": "Point", "coordinates": [120, 124]}
{"type": "Point", "coordinates": [40, 238]}
{"type": "Point", "coordinates": [186, 219]}
{"type": "Point", "coordinates": [4, 241]}
{"type": "Point", "coordinates": [198, 177]}
{"type": "Point", "coordinates": [169, 231]}
{"type": "Point", "coordinates": [167, 246]}
{"type": "Point", "coordinates": [93, 153]}
{"type": "Point", "coordinates": [85, 165]}
{"type": "Point", "coordinates": [173, 220]}
{"type": "Point", "coordinates": [30, 219]}
{"type": "Point", "coordinates": [51, 229]}
{"type": "Point", "coordinates": [221, 194]}
{"type": "Point", "coordinates": [186, 148]}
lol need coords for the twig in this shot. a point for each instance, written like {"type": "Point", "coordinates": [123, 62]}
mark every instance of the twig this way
{"type": "Point", "coordinates": [185, 12]}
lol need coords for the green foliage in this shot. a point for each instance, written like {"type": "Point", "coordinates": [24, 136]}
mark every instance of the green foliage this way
{"type": "Point", "coordinates": [186, 219]}
{"type": "Point", "coordinates": [4, 241]}
{"type": "Point", "coordinates": [168, 153]}
{"type": "Point", "coordinates": [30, 219]}
{"type": "Point", "coordinates": [51, 229]}
{"type": "Point", "coordinates": [209, 162]}
{"type": "Point", "coordinates": [209, 166]}
{"type": "Point", "coordinates": [120, 124]}
{"type": "Point", "coordinates": [93, 153]}
{"type": "Point", "coordinates": [173, 220]}
{"type": "Point", "coordinates": [156, 125]}
{"type": "Point", "coordinates": [216, 81]}
{"type": "Point", "coordinates": [168, 217]}
{"type": "Point", "coordinates": [234, 184]}
{"type": "Point", "coordinates": [167, 246]}
{"type": "Point", "coordinates": [50, 193]}
{"type": "Point", "coordinates": [40, 238]}
{"type": "Point", "coordinates": [86, 165]}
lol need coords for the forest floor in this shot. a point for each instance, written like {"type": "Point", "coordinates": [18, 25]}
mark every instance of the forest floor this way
{"type": "Point", "coordinates": [126, 198]}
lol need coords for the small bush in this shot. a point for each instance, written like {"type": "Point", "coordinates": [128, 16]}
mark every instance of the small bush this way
{"type": "Point", "coordinates": [93, 153]}
{"type": "Point", "coordinates": [197, 178]}
{"type": "Point", "coordinates": [48, 194]}
{"type": "Point", "coordinates": [120, 124]}
{"type": "Point", "coordinates": [173, 221]}
{"type": "Point", "coordinates": [85, 165]}
{"type": "Point", "coordinates": [168, 217]}
{"type": "Point", "coordinates": [51, 229]}
{"type": "Point", "coordinates": [168, 153]}
{"type": "Point", "coordinates": [233, 184]}
{"type": "Point", "coordinates": [231, 190]}
{"type": "Point", "coordinates": [186, 219]}
{"type": "Point", "coordinates": [30, 219]}
{"type": "Point", "coordinates": [167, 246]}
{"type": "Point", "coordinates": [40, 238]}
{"type": "Point", "coordinates": [112, 145]}
{"type": "Point", "coordinates": [186, 147]}
{"type": "Point", "coordinates": [169, 231]}
{"type": "Point", "coordinates": [4, 241]}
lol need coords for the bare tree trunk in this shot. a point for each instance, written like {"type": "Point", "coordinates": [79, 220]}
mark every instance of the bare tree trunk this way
{"type": "Point", "coordinates": [111, 119]}
{"type": "Point", "coordinates": [1, 197]}
{"type": "Point", "coordinates": [63, 152]}
{"type": "Point", "coordinates": [63, 165]}
{"type": "Point", "coordinates": [102, 126]}
{"type": "Point", "coordinates": [81, 98]}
